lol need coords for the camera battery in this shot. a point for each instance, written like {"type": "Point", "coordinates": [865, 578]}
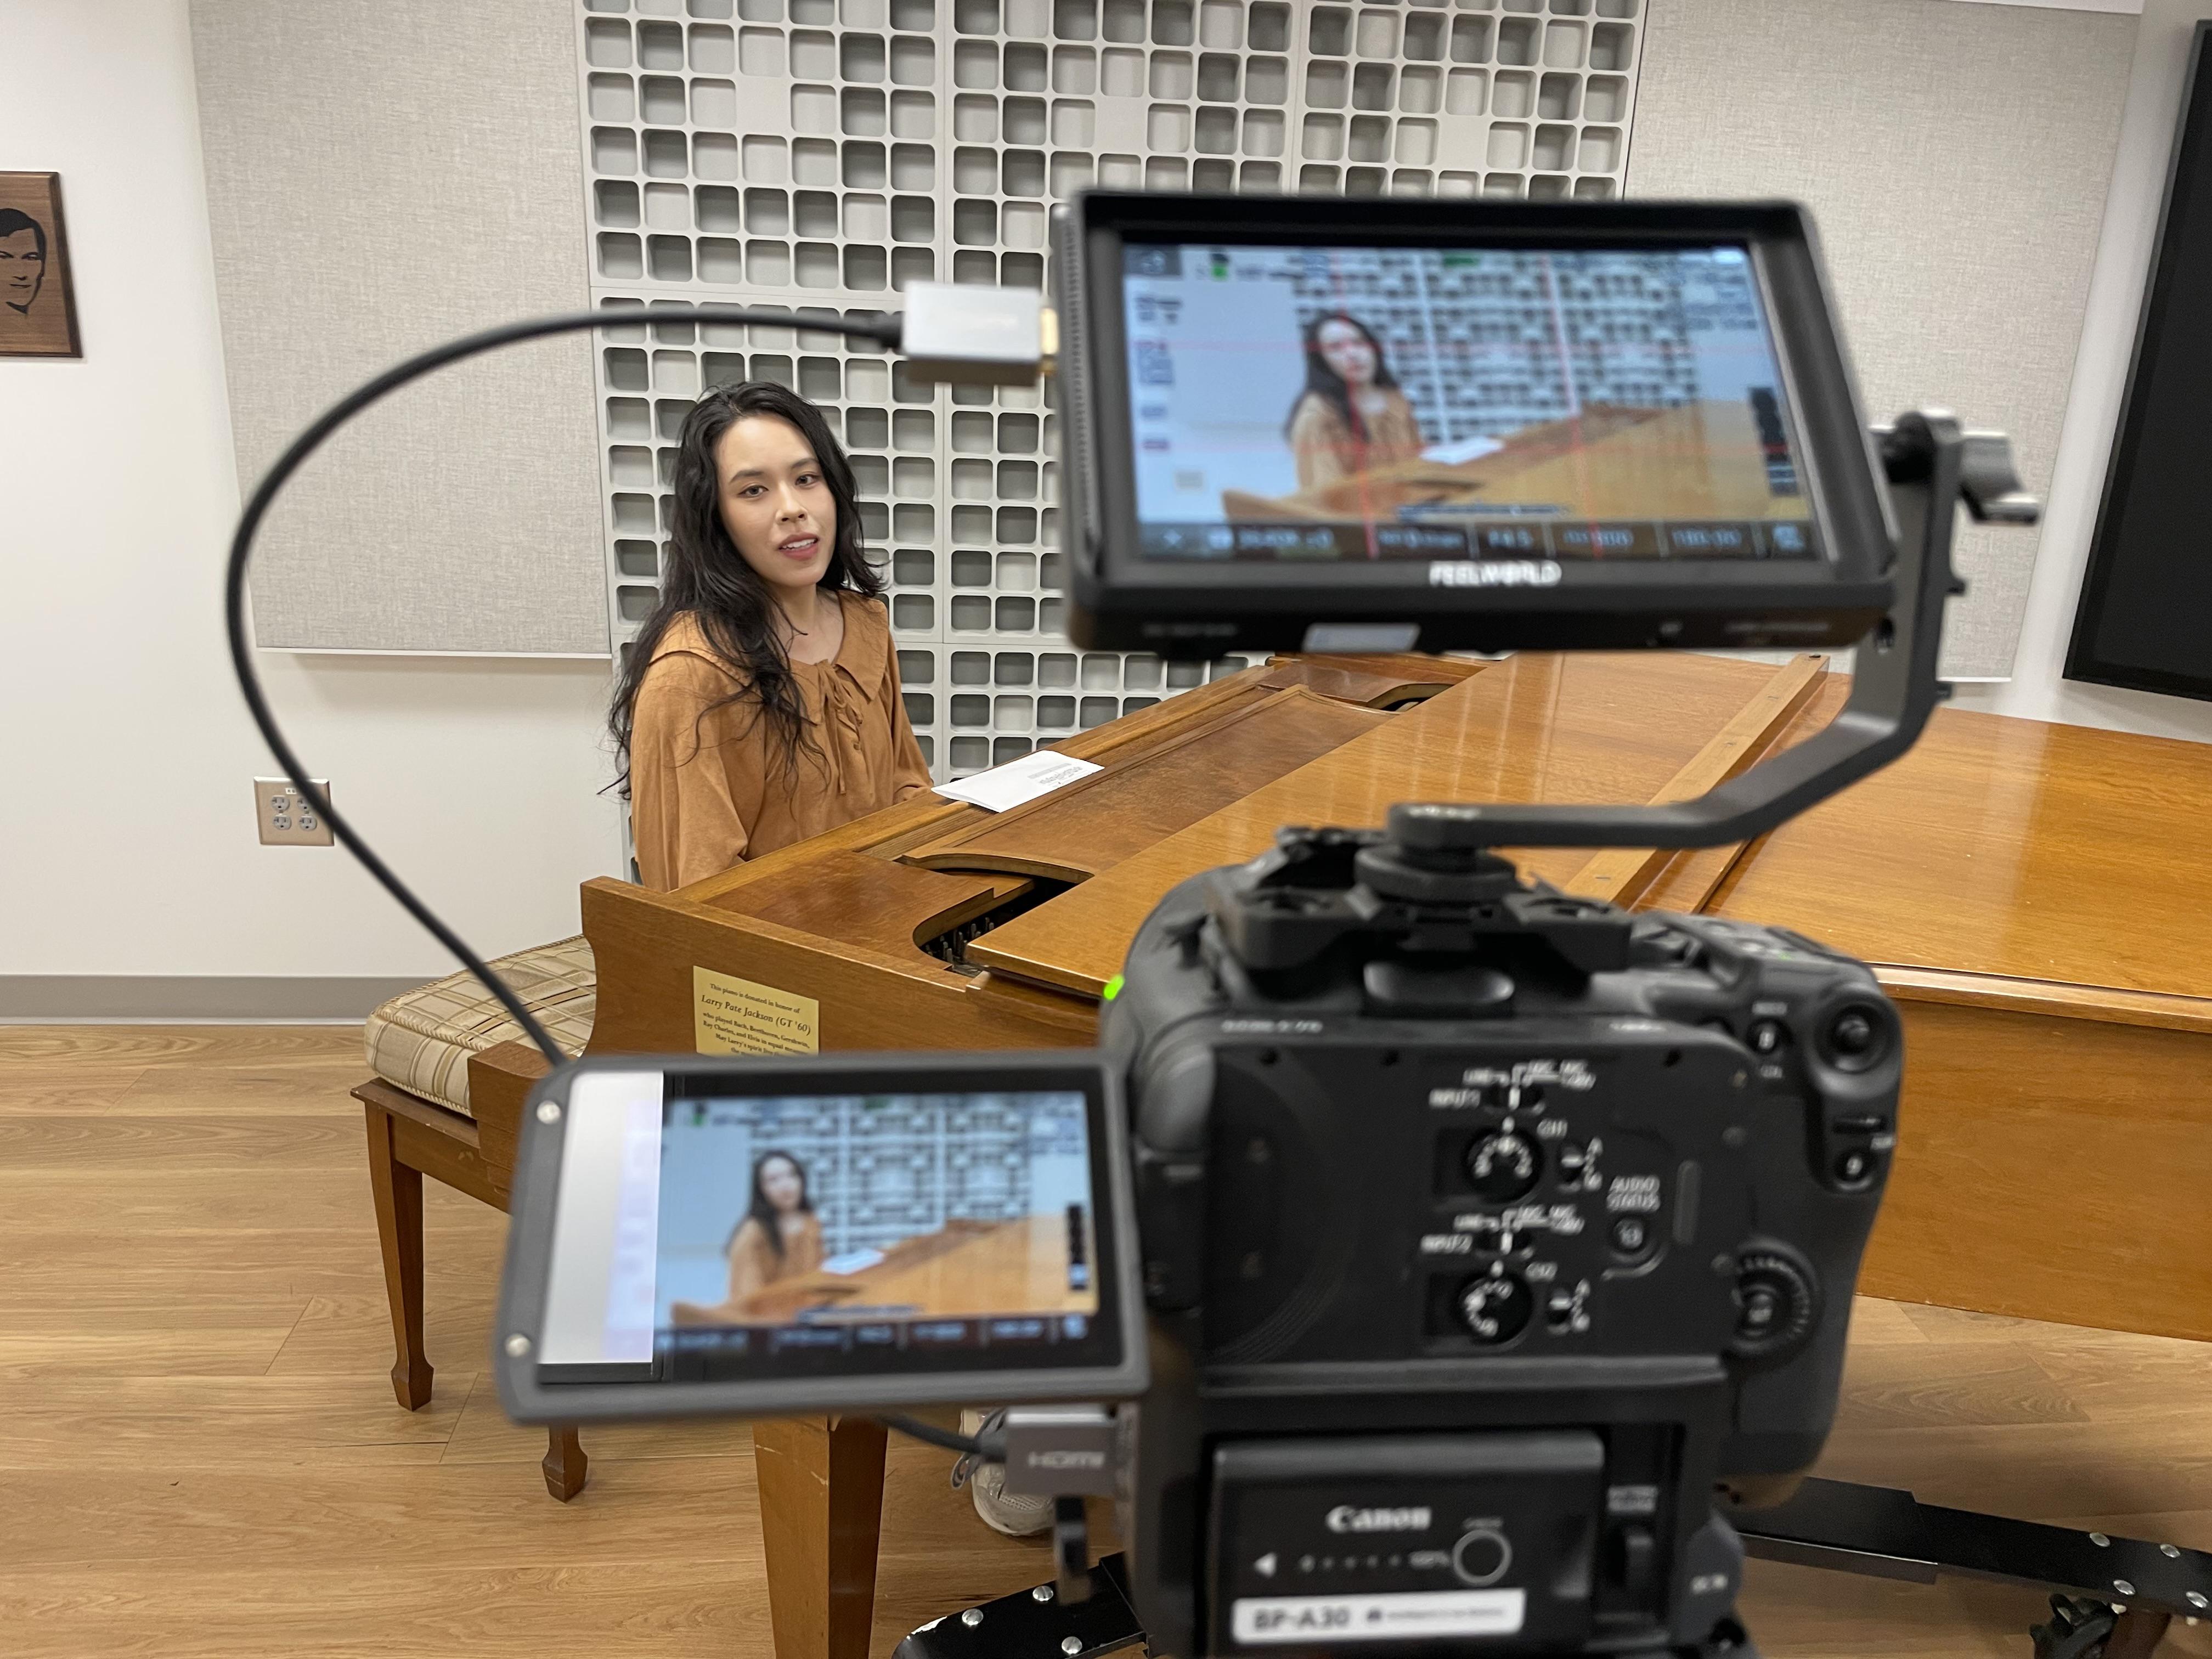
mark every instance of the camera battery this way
{"type": "Point", "coordinates": [1405, 1539]}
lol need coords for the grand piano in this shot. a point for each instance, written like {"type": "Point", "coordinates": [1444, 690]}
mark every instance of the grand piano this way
{"type": "Point", "coordinates": [2032, 896]}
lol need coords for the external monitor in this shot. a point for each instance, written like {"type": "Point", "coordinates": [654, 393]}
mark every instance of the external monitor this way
{"type": "Point", "coordinates": [1321, 424]}
{"type": "Point", "coordinates": [764, 1236]}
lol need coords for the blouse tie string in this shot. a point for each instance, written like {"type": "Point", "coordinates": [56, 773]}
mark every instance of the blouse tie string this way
{"type": "Point", "coordinates": [847, 724]}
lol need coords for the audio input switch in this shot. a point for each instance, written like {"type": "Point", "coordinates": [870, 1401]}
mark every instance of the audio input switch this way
{"type": "Point", "coordinates": [1577, 1166]}
{"type": "Point", "coordinates": [1566, 1311]}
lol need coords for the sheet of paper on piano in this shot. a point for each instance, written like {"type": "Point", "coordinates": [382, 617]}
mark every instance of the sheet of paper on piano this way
{"type": "Point", "coordinates": [1019, 781]}
{"type": "Point", "coordinates": [1467, 449]}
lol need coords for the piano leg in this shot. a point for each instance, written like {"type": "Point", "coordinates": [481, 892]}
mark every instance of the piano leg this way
{"type": "Point", "coordinates": [821, 1500]}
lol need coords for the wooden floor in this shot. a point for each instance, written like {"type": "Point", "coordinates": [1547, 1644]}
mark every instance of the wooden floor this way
{"type": "Point", "coordinates": [200, 1455]}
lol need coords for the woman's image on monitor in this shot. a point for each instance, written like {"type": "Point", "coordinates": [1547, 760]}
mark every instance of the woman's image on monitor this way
{"type": "Point", "coordinates": [1351, 417]}
{"type": "Point", "coordinates": [779, 1237]}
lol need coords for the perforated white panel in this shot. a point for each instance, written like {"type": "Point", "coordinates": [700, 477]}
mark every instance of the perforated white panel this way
{"type": "Point", "coordinates": [822, 154]}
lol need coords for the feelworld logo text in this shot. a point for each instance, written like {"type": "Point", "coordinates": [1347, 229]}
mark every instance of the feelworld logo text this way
{"type": "Point", "coordinates": [1495, 573]}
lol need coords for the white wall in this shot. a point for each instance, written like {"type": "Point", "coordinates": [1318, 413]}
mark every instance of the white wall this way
{"type": "Point", "coordinates": [2037, 689]}
{"type": "Point", "coordinates": [126, 836]}
{"type": "Point", "coordinates": [1955, 158]}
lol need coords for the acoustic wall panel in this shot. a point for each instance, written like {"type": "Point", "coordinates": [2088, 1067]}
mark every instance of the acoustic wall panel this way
{"type": "Point", "coordinates": [824, 154]}
{"type": "Point", "coordinates": [381, 179]}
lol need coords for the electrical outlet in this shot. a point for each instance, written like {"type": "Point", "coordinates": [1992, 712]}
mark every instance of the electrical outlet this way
{"type": "Point", "coordinates": [285, 819]}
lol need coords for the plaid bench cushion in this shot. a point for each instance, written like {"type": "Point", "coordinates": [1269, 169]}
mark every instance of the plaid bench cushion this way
{"type": "Point", "coordinates": [421, 1042]}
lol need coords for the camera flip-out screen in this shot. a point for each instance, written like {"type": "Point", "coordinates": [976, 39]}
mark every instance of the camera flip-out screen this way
{"type": "Point", "coordinates": [1428, 424]}
{"type": "Point", "coordinates": [750, 1236]}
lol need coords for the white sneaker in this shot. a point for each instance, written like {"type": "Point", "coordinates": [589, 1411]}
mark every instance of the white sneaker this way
{"type": "Point", "coordinates": [1015, 1516]}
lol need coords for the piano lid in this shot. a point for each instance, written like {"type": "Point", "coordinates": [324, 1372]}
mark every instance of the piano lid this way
{"type": "Point", "coordinates": [2002, 847]}
{"type": "Point", "coordinates": [2008, 847]}
{"type": "Point", "coordinates": [1535, 727]}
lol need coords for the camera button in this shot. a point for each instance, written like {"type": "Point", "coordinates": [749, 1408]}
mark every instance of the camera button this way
{"type": "Point", "coordinates": [1857, 1038]}
{"type": "Point", "coordinates": [1767, 1036]}
{"type": "Point", "coordinates": [1761, 1306]}
{"type": "Point", "coordinates": [1481, 1558]}
{"type": "Point", "coordinates": [1853, 1033]}
{"type": "Point", "coordinates": [1630, 1233]}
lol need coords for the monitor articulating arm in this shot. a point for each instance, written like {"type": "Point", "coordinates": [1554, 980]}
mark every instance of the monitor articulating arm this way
{"type": "Point", "coordinates": [1933, 466]}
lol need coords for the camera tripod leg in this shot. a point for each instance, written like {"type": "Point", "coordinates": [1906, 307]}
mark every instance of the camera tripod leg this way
{"type": "Point", "coordinates": [1888, 1534]}
{"type": "Point", "coordinates": [1036, 1623]}
{"type": "Point", "coordinates": [1071, 1550]}
{"type": "Point", "coordinates": [2083, 1627]}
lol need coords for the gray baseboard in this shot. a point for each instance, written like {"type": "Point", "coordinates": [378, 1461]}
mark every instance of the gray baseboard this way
{"type": "Point", "coordinates": [242, 999]}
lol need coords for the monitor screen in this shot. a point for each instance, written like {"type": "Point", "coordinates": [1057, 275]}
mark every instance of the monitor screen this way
{"type": "Point", "coordinates": [1524, 402]}
{"type": "Point", "coordinates": [714, 1235]}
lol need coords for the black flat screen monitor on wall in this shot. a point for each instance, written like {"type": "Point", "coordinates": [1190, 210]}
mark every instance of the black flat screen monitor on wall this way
{"type": "Point", "coordinates": [2145, 618]}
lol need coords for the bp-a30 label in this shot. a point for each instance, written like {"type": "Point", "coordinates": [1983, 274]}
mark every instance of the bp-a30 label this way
{"type": "Point", "coordinates": [1405, 1616]}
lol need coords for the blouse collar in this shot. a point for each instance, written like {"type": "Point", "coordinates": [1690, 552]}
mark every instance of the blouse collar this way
{"type": "Point", "coordinates": [859, 658]}
{"type": "Point", "coordinates": [859, 664]}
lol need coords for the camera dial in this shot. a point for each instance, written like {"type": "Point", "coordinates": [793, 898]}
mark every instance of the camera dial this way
{"type": "Point", "coordinates": [1503, 1166]}
{"type": "Point", "coordinates": [1495, 1310]}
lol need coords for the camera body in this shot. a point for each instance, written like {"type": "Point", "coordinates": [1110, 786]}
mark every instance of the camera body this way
{"type": "Point", "coordinates": [1417, 1145]}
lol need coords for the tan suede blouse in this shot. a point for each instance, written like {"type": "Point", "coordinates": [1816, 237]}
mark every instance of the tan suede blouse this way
{"type": "Point", "coordinates": [707, 793]}
{"type": "Point", "coordinates": [1326, 449]}
{"type": "Point", "coordinates": [755, 1266]}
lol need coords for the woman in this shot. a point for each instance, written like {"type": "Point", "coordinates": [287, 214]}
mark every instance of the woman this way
{"type": "Point", "coordinates": [1351, 417]}
{"type": "Point", "coordinates": [760, 702]}
{"type": "Point", "coordinates": [780, 1236]}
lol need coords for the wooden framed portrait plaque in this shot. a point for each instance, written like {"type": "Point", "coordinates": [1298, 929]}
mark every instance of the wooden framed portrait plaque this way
{"type": "Point", "coordinates": [38, 301]}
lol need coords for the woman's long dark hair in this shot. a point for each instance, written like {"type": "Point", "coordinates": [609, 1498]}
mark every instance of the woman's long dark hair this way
{"type": "Point", "coordinates": [762, 1211]}
{"type": "Point", "coordinates": [1325, 383]}
{"type": "Point", "coordinates": [706, 576]}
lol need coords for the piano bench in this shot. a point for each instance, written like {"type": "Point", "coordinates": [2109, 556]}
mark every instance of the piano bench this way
{"type": "Point", "coordinates": [420, 1122]}
{"type": "Point", "coordinates": [421, 1042]}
